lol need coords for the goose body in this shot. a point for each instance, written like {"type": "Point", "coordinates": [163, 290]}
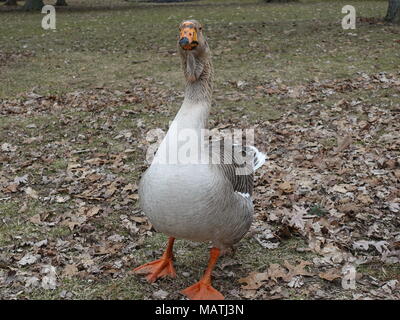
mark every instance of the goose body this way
{"type": "Point", "coordinates": [195, 199]}
{"type": "Point", "coordinates": [198, 207]}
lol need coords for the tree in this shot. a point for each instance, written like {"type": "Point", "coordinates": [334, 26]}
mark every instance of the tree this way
{"type": "Point", "coordinates": [61, 3]}
{"type": "Point", "coordinates": [11, 3]}
{"type": "Point", "coordinates": [33, 5]}
{"type": "Point", "coordinates": [393, 12]}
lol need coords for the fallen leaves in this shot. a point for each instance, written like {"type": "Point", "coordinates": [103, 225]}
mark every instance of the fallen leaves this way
{"type": "Point", "coordinates": [380, 246]}
{"type": "Point", "coordinates": [332, 177]}
{"type": "Point", "coordinates": [286, 187]}
{"type": "Point", "coordinates": [49, 281]}
{"type": "Point", "coordinates": [276, 271]}
{"type": "Point", "coordinates": [35, 219]}
{"type": "Point", "coordinates": [160, 294]}
{"type": "Point", "coordinates": [102, 250]}
{"type": "Point", "coordinates": [254, 280]}
{"type": "Point", "coordinates": [330, 274]}
{"type": "Point", "coordinates": [343, 143]}
{"type": "Point", "coordinates": [10, 188]}
{"type": "Point", "coordinates": [7, 147]}
{"type": "Point", "coordinates": [70, 270]}
{"type": "Point", "coordinates": [288, 273]}
{"type": "Point", "coordinates": [297, 269]}
{"type": "Point", "coordinates": [29, 259]}
{"type": "Point", "coordinates": [339, 188]}
{"type": "Point", "coordinates": [31, 193]}
{"type": "Point", "coordinates": [332, 181]}
{"type": "Point", "coordinates": [90, 212]}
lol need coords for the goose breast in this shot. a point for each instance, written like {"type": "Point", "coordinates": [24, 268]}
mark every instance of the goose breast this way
{"type": "Point", "coordinates": [194, 202]}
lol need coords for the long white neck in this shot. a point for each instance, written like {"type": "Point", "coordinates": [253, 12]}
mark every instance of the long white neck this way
{"type": "Point", "coordinates": [185, 132]}
{"type": "Point", "coordinates": [185, 135]}
{"type": "Point", "coordinates": [193, 115]}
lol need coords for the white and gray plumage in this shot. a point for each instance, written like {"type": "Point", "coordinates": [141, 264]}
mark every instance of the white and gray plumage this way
{"type": "Point", "coordinates": [195, 201]}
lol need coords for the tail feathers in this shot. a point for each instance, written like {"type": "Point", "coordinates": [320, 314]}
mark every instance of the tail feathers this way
{"type": "Point", "coordinates": [259, 158]}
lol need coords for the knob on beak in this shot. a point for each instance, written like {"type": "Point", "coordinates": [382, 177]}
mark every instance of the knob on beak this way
{"type": "Point", "coordinates": [183, 42]}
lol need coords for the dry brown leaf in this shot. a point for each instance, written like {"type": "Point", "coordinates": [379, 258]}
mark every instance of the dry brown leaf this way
{"type": "Point", "coordinates": [365, 199]}
{"type": "Point", "coordinates": [35, 219]}
{"type": "Point", "coordinates": [276, 271]}
{"type": "Point", "coordinates": [31, 193]}
{"type": "Point", "coordinates": [286, 187]}
{"type": "Point", "coordinates": [93, 211]}
{"type": "Point", "coordinates": [94, 161]}
{"type": "Point", "coordinates": [134, 196]}
{"type": "Point", "coordinates": [110, 190]}
{"type": "Point", "coordinates": [297, 217]}
{"type": "Point", "coordinates": [130, 187]}
{"type": "Point", "coordinates": [24, 208]}
{"type": "Point", "coordinates": [254, 280]}
{"type": "Point", "coordinates": [108, 249]}
{"type": "Point", "coordinates": [139, 219]}
{"type": "Point", "coordinates": [330, 274]}
{"type": "Point", "coordinates": [32, 139]}
{"type": "Point", "coordinates": [297, 270]}
{"type": "Point", "coordinates": [12, 187]}
{"type": "Point", "coordinates": [74, 221]}
{"type": "Point", "coordinates": [349, 207]}
{"type": "Point", "coordinates": [343, 144]}
{"type": "Point", "coordinates": [339, 188]}
{"type": "Point", "coordinates": [73, 165]}
{"type": "Point", "coordinates": [93, 177]}
{"type": "Point", "coordinates": [70, 270]}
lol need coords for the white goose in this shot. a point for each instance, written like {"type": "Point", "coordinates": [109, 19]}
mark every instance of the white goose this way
{"type": "Point", "coordinates": [195, 200]}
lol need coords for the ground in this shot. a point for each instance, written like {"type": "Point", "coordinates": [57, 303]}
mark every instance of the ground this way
{"type": "Point", "coordinates": [76, 104]}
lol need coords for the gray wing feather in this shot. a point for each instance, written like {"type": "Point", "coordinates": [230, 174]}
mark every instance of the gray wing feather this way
{"type": "Point", "coordinates": [236, 163]}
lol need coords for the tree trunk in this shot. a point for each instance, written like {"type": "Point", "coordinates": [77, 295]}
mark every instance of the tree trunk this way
{"type": "Point", "coordinates": [33, 5]}
{"type": "Point", "coordinates": [11, 3]}
{"type": "Point", "coordinates": [61, 3]}
{"type": "Point", "coordinates": [393, 12]}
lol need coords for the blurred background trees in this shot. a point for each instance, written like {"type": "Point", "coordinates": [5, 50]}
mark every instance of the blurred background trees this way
{"type": "Point", "coordinates": [33, 5]}
{"type": "Point", "coordinates": [11, 3]}
{"type": "Point", "coordinates": [61, 3]}
{"type": "Point", "coordinates": [393, 13]}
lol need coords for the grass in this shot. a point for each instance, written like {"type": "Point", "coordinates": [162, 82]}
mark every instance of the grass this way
{"type": "Point", "coordinates": [190, 259]}
{"type": "Point", "coordinates": [16, 225]}
{"type": "Point", "coordinates": [251, 41]}
{"type": "Point", "coordinates": [254, 42]}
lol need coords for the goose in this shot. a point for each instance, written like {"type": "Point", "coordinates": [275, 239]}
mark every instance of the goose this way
{"type": "Point", "coordinates": [192, 199]}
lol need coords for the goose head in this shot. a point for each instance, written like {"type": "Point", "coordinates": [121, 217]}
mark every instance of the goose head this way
{"type": "Point", "coordinates": [191, 36]}
{"type": "Point", "coordinates": [195, 53]}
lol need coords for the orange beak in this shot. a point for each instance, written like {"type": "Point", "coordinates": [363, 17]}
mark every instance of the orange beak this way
{"type": "Point", "coordinates": [188, 36]}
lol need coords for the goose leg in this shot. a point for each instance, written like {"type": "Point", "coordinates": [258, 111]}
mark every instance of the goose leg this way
{"type": "Point", "coordinates": [203, 289]}
{"type": "Point", "coordinates": [161, 267]}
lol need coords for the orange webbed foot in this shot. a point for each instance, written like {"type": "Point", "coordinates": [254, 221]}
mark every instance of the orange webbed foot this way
{"type": "Point", "coordinates": [161, 267]}
{"type": "Point", "coordinates": [157, 269]}
{"type": "Point", "coordinates": [202, 291]}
